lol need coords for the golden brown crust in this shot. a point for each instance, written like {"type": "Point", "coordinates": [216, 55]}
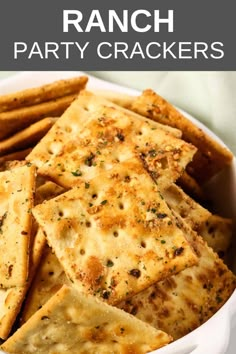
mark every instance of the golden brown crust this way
{"type": "Point", "coordinates": [18, 119]}
{"type": "Point", "coordinates": [36, 95]}
{"type": "Point", "coordinates": [72, 320]}
{"type": "Point", "coordinates": [27, 137]}
{"type": "Point", "coordinates": [16, 201]}
{"type": "Point", "coordinates": [211, 156]}
{"type": "Point", "coordinates": [11, 299]}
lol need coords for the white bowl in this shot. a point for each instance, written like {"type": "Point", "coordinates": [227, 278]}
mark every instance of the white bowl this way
{"type": "Point", "coordinates": [213, 336]}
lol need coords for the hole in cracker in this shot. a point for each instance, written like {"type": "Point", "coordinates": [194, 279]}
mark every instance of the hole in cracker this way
{"type": "Point", "coordinates": [127, 179]}
{"type": "Point", "coordinates": [82, 252]}
{"type": "Point", "coordinates": [164, 163]}
{"type": "Point", "coordinates": [68, 129]}
{"type": "Point", "coordinates": [50, 151]}
{"type": "Point", "coordinates": [88, 224]}
{"type": "Point", "coordinates": [61, 213]}
{"type": "Point", "coordinates": [143, 244]}
{"type": "Point", "coordinates": [115, 233]}
{"type": "Point", "coordinates": [94, 196]}
{"type": "Point", "coordinates": [55, 148]}
{"type": "Point", "coordinates": [110, 263]}
{"type": "Point", "coordinates": [121, 206]}
{"type": "Point", "coordinates": [139, 132]}
{"type": "Point", "coordinates": [183, 213]}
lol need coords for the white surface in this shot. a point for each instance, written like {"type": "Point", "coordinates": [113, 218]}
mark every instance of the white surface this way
{"type": "Point", "coordinates": [213, 336]}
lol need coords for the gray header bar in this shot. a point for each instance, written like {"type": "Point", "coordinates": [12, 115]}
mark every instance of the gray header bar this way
{"type": "Point", "coordinates": [117, 35]}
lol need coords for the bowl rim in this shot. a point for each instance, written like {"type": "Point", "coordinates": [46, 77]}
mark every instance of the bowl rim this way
{"type": "Point", "coordinates": [195, 341]}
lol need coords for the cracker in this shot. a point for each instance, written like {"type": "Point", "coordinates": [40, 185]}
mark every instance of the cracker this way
{"type": "Point", "coordinates": [17, 155]}
{"type": "Point", "coordinates": [27, 137]}
{"type": "Point", "coordinates": [50, 277]}
{"type": "Point", "coordinates": [91, 102]}
{"type": "Point", "coordinates": [41, 94]}
{"type": "Point", "coordinates": [186, 300]}
{"type": "Point", "coordinates": [217, 232]}
{"type": "Point", "coordinates": [118, 98]}
{"type": "Point", "coordinates": [10, 303]}
{"type": "Point", "coordinates": [47, 191]}
{"type": "Point", "coordinates": [92, 137]}
{"type": "Point", "coordinates": [191, 186]}
{"type": "Point", "coordinates": [211, 156]}
{"type": "Point", "coordinates": [18, 119]}
{"type": "Point", "coordinates": [16, 202]}
{"type": "Point", "coordinates": [11, 299]}
{"type": "Point", "coordinates": [193, 213]}
{"type": "Point", "coordinates": [73, 322]}
{"type": "Point", "coordinates": [124, 242]}
{"type": "Point", "coordinates": [9, 165]}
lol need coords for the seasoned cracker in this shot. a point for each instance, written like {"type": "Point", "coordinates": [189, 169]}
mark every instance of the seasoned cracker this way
{"type": "Point", "coordinates": [124, 241]}
{"type": "Point", "coordinates": [92, 102]}
{"type": "Point", "coordinates": [46, 191]}
{"type": "Point", "coordinates": [10, 303]}
{"type": "Point", "coordinates": [36, 95]}
{"type": "Point", "coordinates": [211, 156]}
{"type": "Point", "coordinates": [18, 119]}
{"type": "Point", "coordinates": [76, 323]}
{"type": "Point", "coordinates": [17, 155]}
{"type": "Point", "coordinates": [11, 299]}
{"type": "Point", "coordinates": [193, 213]}
{"type": "Point", "coordinates": [118, 98]}
{"type": "Point", "coordinates": [217, 232]}
{"type": "Point", "coordinates": [191, 186]}
{"type": "Point", "coordinates": [27, 137]}
{"type": "Point", "coordinates": [50, 277]}
{"type": "Point", "coordinates": [186, 300]}
{"type": "Point", "coordinates": [92, 136]}
{"type": "Point", "coordinates": [16, 201]}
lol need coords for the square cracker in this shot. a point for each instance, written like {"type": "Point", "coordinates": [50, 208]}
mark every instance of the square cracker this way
{"type": "Point", "coordinates": [16, 201]}
{"type": "Point", "coordinates": [211, 156]}
{"type": "Point", "coordinates": [183, 302]}
{"type": "Point", "coordinates": [111, 240]}
{"type": "Point", "coordinates": [77, 323]}
{"type": "Point", "coordinates": [93, 136]}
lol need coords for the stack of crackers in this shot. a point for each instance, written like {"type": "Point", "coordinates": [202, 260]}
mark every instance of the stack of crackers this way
{"type": "Point", "coordinates": [105, 246]}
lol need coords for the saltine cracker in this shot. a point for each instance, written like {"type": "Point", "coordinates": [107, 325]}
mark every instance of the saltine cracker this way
{"type": "Point", "coordinates": [77, 323]}
{"type": "Point", "coordinates": [93, 136]}
{"type": "Point", "coordinates": [124, 241]}
{"type": "Point", "coordinates": [16, 202]}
